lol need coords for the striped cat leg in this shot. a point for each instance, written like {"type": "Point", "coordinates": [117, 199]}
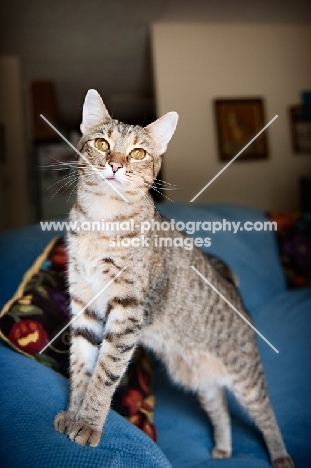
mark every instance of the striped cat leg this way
{"type": "Point", "coordinates": [214, 403]}
{"type": "Point", "coordinates": [86, 336]}
{"type": "Point", "coordinates": [121, 335]}
{"type": "Point", "coordinates": [252, 393]}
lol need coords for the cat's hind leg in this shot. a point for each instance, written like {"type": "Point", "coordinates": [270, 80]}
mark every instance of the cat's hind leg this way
{"type": "Point", "coordinates": [213, 401]}
{"type": "Point", "coordinates": [252, 393]}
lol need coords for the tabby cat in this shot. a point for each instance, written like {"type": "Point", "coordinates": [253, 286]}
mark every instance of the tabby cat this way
{"type": "Point", "coordinates": [157, 300]}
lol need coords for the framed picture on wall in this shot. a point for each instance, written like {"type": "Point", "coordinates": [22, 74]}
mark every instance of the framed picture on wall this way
{"type": "Point", "coordinates": [237, 122]}
{"type": "Point", "coordinates": [300, 130]}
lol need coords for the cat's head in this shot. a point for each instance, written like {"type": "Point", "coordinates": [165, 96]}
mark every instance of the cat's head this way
{"type": "Point", "coordinates": [114, 153]}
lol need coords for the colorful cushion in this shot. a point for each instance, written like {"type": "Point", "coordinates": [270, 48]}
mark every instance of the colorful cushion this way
{"type": "Point", "coordinates": [39, 310]}
{"type": "Point", "coordinates": [294, 241]}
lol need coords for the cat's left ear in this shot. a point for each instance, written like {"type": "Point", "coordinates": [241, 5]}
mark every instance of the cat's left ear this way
{"type": "Point", "coordinates": [94, 111]}
{"type": "Point", "coordinates": [162, 130]}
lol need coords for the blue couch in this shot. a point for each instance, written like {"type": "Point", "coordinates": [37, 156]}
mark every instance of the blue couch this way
{"type": "Point", "coordinates": [31, 394]}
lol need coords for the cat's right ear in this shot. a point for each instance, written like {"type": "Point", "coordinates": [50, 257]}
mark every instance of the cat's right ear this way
{"type": "Point", "coordinates": [162, 130]}
{"type": "Point", "coordinates": [94, 111]}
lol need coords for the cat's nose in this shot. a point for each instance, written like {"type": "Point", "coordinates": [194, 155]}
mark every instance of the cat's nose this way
{"type": "Point", "coordinates": [115, 166]}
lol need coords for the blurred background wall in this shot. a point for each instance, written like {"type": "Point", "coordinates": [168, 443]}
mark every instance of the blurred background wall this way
{"type": "Point", "coordinates": [108, 45]}
{"type": "Point", "coordinates": [270, 61]}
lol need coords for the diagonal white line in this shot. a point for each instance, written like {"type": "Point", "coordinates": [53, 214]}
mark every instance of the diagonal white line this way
{"type": "Point", "coordinates": [84, 158]}
{"type": "Point", "coordinates": [82, 310]}
{"type": "Point", "coordinates": [233, 159]}
{"type": "Point", "coordinates": [235, 310]}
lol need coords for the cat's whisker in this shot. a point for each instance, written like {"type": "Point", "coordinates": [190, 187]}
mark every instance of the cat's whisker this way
{"type": "Point", "coordinates": [52, 166]}
{"type": "Point", "coordinates": [142, 192]}
{"type": "Point", "coordinates": [155, 187]}
{"type": "Point", "coordinates": [61, 180]}
{"type": "Point", "coordinates": [72, 191]}
{"type": "Point", "coordinates": [164, 182]}
{"type": "Point", "coordinates": [62, 163]}
{"type": "Point", "coordinates": [162, 186]}
{"type": "Point", "coordinates": [162, 194]}
{"type": "Point", "coordinates": [60, 188]}
{"type": "Point", "coordinates": [90, 176]}
{"type": "Point", "coordinates": [150, 202]}
{"type": "Point", "coordinates": [165, 196]}
{"type": "Point", "coordinates": [73, 182]}
{"type": "Point", "coordinates": [165, 187]}
{"type": "Point", "coordinates": [57, 168]}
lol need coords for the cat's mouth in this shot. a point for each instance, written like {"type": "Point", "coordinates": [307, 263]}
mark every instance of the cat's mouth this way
{"type": "Point", "coordinates": [112, 179]}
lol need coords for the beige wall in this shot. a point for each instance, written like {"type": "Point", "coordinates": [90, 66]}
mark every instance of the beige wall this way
{"type": "Point", "coordinates": [196, 63]}
{"type": "Point", "coordinates": [15, 210]}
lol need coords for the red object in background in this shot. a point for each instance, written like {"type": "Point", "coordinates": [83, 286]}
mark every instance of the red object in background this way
{"type": "Point", "coordinates": [144, 381]}
{"type": "Point", "coordinates": [59, 257]}
{"type": "Point", "coordinates": [299, 281]}
{"type": "Point", "coordinates": [28, 336]}
{"type": "Point", "coordinates": [133, 401]}
{"type": "Point", "coordinates": [283, 220]}
{"type": "Point", "coordinates": [149, 429]}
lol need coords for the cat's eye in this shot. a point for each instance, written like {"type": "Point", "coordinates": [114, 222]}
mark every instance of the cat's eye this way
{"type": "Point", "coordinates": [101, 144]}
{"type": "Point", "coordinates": [138, 153]}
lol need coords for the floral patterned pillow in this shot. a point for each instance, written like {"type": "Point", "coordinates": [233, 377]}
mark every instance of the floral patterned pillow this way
{"type": "Point", "coordinates": [39, 310]}
{"type": "Point", "coordinates": [294, 241]}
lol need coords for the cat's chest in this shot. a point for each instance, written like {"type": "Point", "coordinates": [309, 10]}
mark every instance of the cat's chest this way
{"type": "Point", "coordinates": [99, 259]}
{"type": "Point", "coordinates": [88, 255]}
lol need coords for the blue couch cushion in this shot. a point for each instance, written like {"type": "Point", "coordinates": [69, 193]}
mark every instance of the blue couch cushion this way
{"type": "Point", "coordinates": [18, 250]}
{"type": "Point", "coordinates": [31, 394]}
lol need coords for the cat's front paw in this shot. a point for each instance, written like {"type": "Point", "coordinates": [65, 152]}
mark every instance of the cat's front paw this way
{"type": "Point", "coordinates": [62, 421]}
{"type": "Point", "coordinates": [220, 453]}
{"type": "Point", "coordinates": [283, 462]}
{"type": "Point", "coordinates": [83, 434]}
